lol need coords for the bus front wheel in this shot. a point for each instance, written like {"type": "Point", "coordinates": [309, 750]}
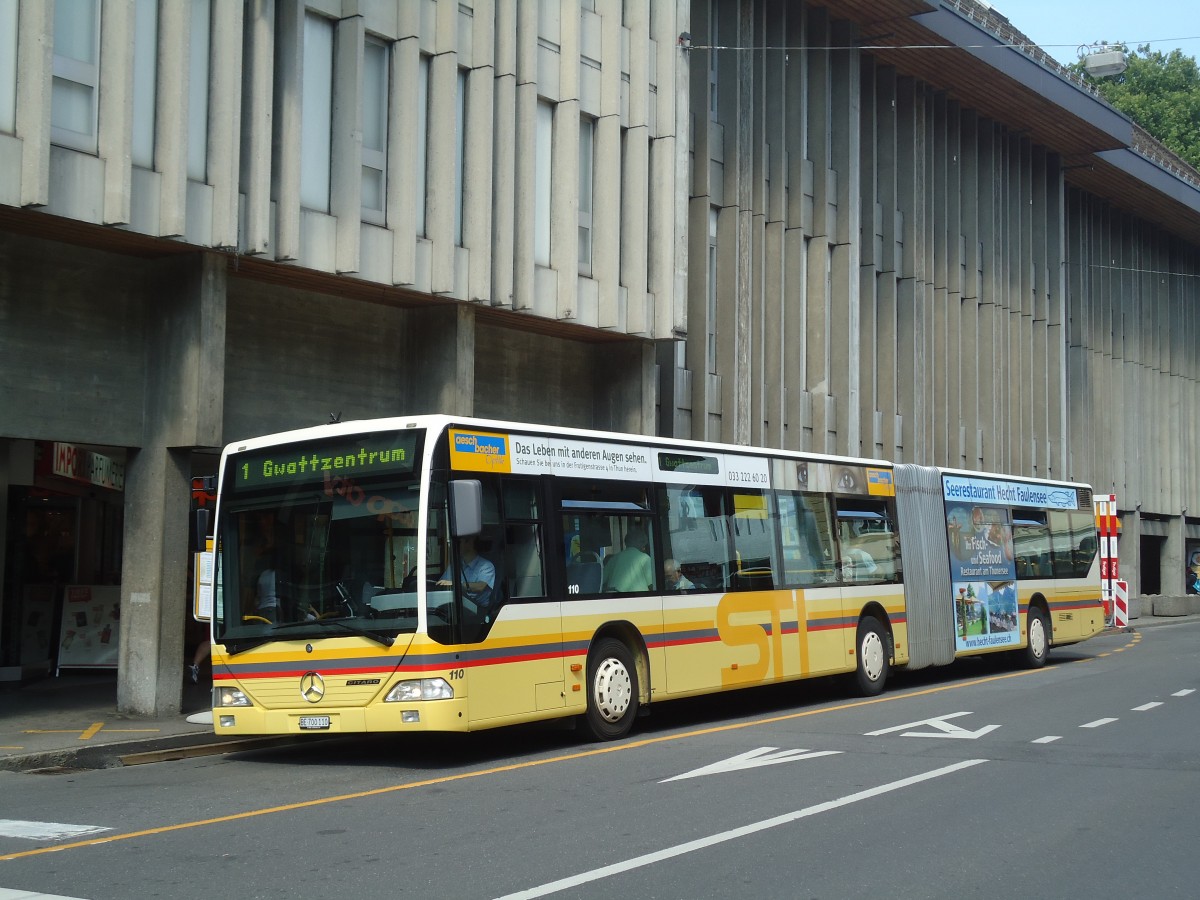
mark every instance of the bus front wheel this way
{"type": "Point", "coordinates": [873, 657]}
{"type": "Point", "coordinates": [1039, 638]}
{"type": "Point", "coordinates": [612, 702]}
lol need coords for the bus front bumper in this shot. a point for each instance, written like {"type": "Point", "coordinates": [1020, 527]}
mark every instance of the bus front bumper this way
{"type": "Point", "coordinates": [429, 715]}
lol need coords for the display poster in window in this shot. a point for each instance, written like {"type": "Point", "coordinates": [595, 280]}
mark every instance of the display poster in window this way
{"type": "Point", "coordinates": [91, 620]}
{"type": "Point", "coordinates": [983, 576]}
{"type": "Point", "coordinates": [1191, 577]}
{"type": "Point", "coordinates": [37, 624]}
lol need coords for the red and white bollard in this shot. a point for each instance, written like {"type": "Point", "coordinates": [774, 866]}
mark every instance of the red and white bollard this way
{"type": "Point", "coordinates": [1106, 529]}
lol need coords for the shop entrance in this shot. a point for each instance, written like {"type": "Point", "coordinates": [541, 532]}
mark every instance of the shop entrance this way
{"type": "Point", "coordinates": [1150, 564]}
{"type": "Point", "coordinates": [62, 556]}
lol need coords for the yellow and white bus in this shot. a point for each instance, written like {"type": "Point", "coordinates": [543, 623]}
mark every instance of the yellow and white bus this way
{"type": "Point", "coordinates": [446, 574]}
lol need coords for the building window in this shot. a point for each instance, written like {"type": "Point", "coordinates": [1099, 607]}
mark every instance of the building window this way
{"type": "Point", "coordinates": [422, 144]}
{"type": "Point", "coordinates": [8, 65]}
{"type": "Point", "coordinates": [200, 36]}
{"type": "Point", "coordinates": [587, 147]}
{"type": "Point", "coordinates": [460, 155]}
{"type": "Point", "coordinates": [76, 74]}
{"type": "Point", "coordinates": [316, 120]}
{"type": "Point", "coordinates": [374, 124]}
{"type": "Point", "coordinates": [543, 162]}
{"type": "Point", "coordinates": [145, 82]}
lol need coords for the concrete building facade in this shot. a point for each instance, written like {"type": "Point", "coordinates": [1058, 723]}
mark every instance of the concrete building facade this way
{"type": "Point", "coordinates": [745, 220]}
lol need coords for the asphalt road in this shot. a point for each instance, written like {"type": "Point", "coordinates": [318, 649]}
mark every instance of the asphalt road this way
{"type": "Point", "coordinates": [977, 780]}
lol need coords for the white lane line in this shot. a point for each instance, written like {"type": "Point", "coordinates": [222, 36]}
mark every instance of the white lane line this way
{"type": "Point", "coordinates": [45, 831]}
{"type": "Point", "coordinates": [1184, 692]}
{"type": "Point", "coordinates": [10, 894]}
{"type": "Point", "coordinates": [1098, 723]}
{"type": "Point", "coordinates": [1048, 739]}
{"type": "Point", "coordinates": [638, 862]}
{"type": "Point", "coordinates": [1146, 706]}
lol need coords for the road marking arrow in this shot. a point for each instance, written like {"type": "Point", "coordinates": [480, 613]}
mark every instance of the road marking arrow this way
{"type": "Point", "coordinates": [763, 756]}
{"type": "Point", "coordinates": [45, 831]}
{"type": "Point", "coordinates": [944, 728]}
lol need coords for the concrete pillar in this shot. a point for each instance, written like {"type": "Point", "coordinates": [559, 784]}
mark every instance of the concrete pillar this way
{"type": "Point", "coordinates": [184, 366]}
{"type": "Point", "coordinates": [153, 576]}
{"type": "Point", "coordinates": [441, 347]}
{"type": "Point", "coordinates": [1174, 558]}
{"type": "Point", "coordinates": [626, 388]}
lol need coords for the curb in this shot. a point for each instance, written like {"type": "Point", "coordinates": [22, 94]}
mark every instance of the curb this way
{"type": "Point", "coordinates": [125, 753]}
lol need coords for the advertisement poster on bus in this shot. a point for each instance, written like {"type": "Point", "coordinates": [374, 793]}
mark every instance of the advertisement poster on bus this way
{"type": "Point", "coordinates": [982, 574]}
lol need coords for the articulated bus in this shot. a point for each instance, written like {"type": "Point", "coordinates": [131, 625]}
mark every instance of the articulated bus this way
{"type": "Point", "coordinates": [446, 574]}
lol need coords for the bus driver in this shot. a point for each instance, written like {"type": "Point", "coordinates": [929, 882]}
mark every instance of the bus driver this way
{"type": "Point", "coordinates": [477, 574]}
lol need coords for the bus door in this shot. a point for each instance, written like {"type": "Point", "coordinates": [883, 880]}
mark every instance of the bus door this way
{"type": "Point", "coordinates": [510, 625]}
{"type": "Point", "coordinates": [869, 559]}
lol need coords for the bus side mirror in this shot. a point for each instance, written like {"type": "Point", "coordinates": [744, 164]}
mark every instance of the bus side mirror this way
{"type": "Point", "coordinates": [200, 530]}
{"type": "Point", "coordinates": [466, 507]}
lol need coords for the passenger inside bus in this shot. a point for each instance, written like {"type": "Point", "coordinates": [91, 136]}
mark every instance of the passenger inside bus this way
{"type": "Point", "coordinates": [631, 569]}
{"type": "Point", "coordinates": [674, 579]}
{"type": "Point", "coordinates": [858, 565]}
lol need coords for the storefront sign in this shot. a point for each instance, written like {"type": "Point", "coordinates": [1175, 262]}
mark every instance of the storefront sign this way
{"type": "Point", "coordinates": [86, 466]}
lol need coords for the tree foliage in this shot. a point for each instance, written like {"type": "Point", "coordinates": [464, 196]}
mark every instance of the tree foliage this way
{"type": "Point", "coordinates": [1161, 92]}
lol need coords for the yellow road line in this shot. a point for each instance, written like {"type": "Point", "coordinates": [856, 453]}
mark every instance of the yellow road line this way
{"type": "Point", "coordinates": [514, 767]}
{"type": "Point", "coordinates": [91, 730]}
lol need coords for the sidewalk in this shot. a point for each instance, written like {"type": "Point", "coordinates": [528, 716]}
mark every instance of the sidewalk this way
{"type": "Point", "coordinates": [72, 721]}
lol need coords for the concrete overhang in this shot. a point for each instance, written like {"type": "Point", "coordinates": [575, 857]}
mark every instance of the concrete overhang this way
{"type": "Point", "coordinates": [965, 51]}
{"type": "Point", "coordinates": [1033, 98]}
{"type": "Point", "coordinates": [1137, 185]}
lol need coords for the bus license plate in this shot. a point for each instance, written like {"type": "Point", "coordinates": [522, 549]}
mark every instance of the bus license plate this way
{"type": "Point", "coordinates": [314, 723]}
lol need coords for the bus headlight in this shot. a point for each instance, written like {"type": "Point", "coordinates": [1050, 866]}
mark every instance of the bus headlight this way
{"type": "Point", "coordinates": [227, 696]}
{"type": "Point", "coordinates": [420, 689]}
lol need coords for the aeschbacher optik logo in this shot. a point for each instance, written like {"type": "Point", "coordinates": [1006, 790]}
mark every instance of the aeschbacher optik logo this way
{"type": "Point", "coordinates": [478, 443]}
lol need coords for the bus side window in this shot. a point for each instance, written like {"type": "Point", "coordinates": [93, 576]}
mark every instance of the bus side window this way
{"type": "Point", "coordinates": [1031, 543]}
{"type": "Point", "coordinates": [524, 569]}
{"type": "Point", "coordinates": [868, 546]}
{"type": "Point", "coordinates": [807, 535]}
{"type": "Point", "coordinates": [1083, 535]}
{"type": "Point", "coordinates": [692, 522]}
{"type": "Point", "coordinates": [753, 525]}
{"type": "Point", "coordinates": [608, 532]}
{"type": "Point", "coordinates": [1062, 543]}
{"type": "Point", "coordinates": [1085, 552]}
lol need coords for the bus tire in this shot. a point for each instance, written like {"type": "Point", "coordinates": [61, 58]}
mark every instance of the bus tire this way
{"type": "Point", "coordinates": [612, 699]}
{"type": "Point", "coordinates": [1038, 634]}
{"type": "Point", "coordinates": [874, 661]}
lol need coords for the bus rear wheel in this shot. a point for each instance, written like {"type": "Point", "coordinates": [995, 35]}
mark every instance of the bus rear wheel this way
{"type": "Point", "coordinates": [873, 657]}
{"type": "Point", "coordinates": [612, 701]}
{"type": "Point", "coordinates": [1039, 638]}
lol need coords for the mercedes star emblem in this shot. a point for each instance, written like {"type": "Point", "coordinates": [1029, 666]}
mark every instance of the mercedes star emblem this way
{"type": "Point", "coordinates": [312, 687]}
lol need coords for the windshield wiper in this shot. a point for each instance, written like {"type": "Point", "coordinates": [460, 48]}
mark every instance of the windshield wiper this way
{"type": "Point", "coordinates": [241, 645]}
{"type": "Point", "coordinates": [386, 639]}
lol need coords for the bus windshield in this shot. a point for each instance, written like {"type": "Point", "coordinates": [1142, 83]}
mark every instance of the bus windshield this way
{"type": "Point", "coordinates": [319, 540]}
